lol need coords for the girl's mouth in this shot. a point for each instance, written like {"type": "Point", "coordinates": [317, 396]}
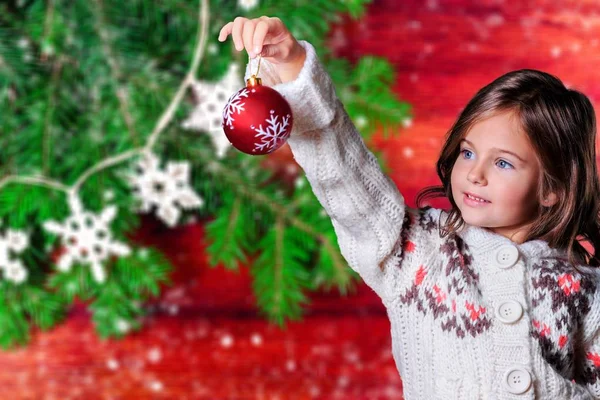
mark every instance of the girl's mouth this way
{"type": "Point", "coordinates": [474, 201]}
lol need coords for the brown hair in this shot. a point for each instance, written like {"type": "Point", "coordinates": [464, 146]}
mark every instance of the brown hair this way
{"type": "Point", "coordinates": [561, 126]}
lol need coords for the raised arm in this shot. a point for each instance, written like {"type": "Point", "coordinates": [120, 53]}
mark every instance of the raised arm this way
{"type": "Point", "coordinates": [365, 206]}
{"type": "Point", "coordinates": [367, 210]}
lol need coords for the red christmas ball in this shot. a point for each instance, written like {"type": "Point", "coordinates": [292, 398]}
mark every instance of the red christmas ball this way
{"type": "Point", "coordinates": [257, 119]}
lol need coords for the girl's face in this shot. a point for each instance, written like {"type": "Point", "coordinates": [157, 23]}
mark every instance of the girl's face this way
{"type": "Point", "coordinates": [495, 177]}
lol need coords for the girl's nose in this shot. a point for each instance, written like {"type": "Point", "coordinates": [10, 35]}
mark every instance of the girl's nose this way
{"type": "Point", "coordinates": [476, 176]}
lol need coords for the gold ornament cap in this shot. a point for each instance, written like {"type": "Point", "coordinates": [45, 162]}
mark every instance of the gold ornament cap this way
{"type": "Point", "coordinates": [253, 81]}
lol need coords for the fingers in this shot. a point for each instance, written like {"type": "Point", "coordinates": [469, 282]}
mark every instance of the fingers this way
{"type": "Point", "coordinates": [248, 37]}
{"type": "Point", "coordinates": [260, 33]}
{"type": "Point", "coordinates": [225, 31]}
{"type": "Point", "coordinates": [248, 34]}
{"type": "Point", "coordinates": [236, 33]}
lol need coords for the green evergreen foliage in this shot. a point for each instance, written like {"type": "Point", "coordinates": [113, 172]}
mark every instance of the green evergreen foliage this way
{"type": "Point", "coordinates": [83, 81]}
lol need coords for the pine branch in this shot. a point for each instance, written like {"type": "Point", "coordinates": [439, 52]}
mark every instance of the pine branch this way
{"type": "Point", "coordinates": [229, 234]}
{"type": "Point", "coordinates": [282, 211]}
{"type": "Point", "coordinates": [162, 123]}
{"type": "Point", "coordinates": [48, 118]}
{"type": "Point", "coordinates": [83, 84]}
{"type": "Point", "coordinates": [117, 75]}
{"type": "Point", "coordinates": [46, 309]}
{"type": "Point", "coordinates": [75, 284]}
{"type": "Point", "coordinates": [117, 307]}
{"type": "Point", "coordinates": [280, 276]}
{"type": "Point", "coordinates": [14, 327]}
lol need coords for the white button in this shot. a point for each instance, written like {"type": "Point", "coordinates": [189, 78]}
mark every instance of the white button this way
{"type": "Point", "coordinates": [517, 380]}
{"type": "Point", "coordinates": [507, 256]}
{"type": "Point", "coordinates": [509, 311]}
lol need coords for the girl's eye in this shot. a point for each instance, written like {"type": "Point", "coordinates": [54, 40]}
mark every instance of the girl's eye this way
{"type": "Point", "coordinates": [504, 165]}
{"type": "Point", "coordinates": [467, 153]}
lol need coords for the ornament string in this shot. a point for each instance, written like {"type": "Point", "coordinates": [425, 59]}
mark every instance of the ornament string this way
{"type": "Point", "coordinates": [258, 66]}
{"type": "Point", "coordinates": [163, 121]}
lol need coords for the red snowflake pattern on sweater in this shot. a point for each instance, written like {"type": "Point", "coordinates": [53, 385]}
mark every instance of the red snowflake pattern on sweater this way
{"type": "Point", "coordinates": [594, 358]}
{"type": "Point", "coordinates": [560, 298]}
{"type": "Point", "coordinates": [448, 294]}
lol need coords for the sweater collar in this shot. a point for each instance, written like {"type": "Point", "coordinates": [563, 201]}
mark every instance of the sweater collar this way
{"type": "Point", "coordinates": [483, 241]}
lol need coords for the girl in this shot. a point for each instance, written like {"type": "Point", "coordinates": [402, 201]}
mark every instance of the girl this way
{"type": "Point", "coordinates": [496, 298]}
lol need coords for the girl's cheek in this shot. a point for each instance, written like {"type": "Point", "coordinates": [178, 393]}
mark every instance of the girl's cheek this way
{"type": "Point", "coordinates": [460, 171]}
{"type": "Point", "coordinates": [454, 177]}
{"type": "Point", "coordinates": [516, 192]}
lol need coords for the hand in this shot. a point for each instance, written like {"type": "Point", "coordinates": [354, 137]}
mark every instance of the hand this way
{"type": "Point", "coordinates": [270, 38]}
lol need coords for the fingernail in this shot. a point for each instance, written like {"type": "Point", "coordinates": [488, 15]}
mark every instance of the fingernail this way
{"type": "Point", "coordinates": [257, 50]}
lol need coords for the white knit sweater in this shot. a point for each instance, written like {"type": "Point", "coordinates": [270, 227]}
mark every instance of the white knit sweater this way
{"type": "Point", "coordinates": [473, 315]}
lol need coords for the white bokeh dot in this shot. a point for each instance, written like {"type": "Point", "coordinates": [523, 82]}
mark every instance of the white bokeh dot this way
{"type": "Point", "coordinates": [343, 381]}
{"type": "Point", "coordinates": [112, 364]}
{"type": "Point", "coordinates": [156, 386]}
{"type": "Point", "coordinates": [227, 341]}
{"type": "Point", "coordinates": [290, 365]}
{"type": "Point", "coordinates": [361, 121]}
{"type": "Point", "coordinates": [122, 325]}
{"type": "Point", "coordinates": [256, 339]}
{"type": "Point", "coordinates": [154, 355]}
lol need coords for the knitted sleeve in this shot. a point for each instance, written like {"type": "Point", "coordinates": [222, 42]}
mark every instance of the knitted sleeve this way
{"type": "Point", "coordinates": [366, 209]}
{"type": "Point", "coordinates": [590, 370]}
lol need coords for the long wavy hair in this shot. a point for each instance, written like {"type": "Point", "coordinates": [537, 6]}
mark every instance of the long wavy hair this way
{"type": "Point", "coordinates": [561, 126]}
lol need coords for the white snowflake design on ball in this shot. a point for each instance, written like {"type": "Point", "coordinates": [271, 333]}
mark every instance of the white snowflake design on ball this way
{"type": "Point", "coordinates": [274, 133]}
{"type": "Point", "coordinates": [168, 190]}
{"type": "Point", "coordinates": [234, 105]}
{"type": "Point", "coordinates": [87, 239]}
{"type": "Point", "coordinates": [11, 244]}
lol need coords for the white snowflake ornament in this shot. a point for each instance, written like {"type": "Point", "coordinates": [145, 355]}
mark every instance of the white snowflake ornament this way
{"type": "Point", "coordinates": [168, 190]}
{"type": "Point", "coordinates": [211, 98]}
{"type": "Point", "coordinates": [87, 239]}
{"type": "Point", "coordinates": [11, 244]}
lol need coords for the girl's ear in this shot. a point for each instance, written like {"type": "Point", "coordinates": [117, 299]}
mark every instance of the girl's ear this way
{"type": "Point", "coordinates": [550, 200]}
